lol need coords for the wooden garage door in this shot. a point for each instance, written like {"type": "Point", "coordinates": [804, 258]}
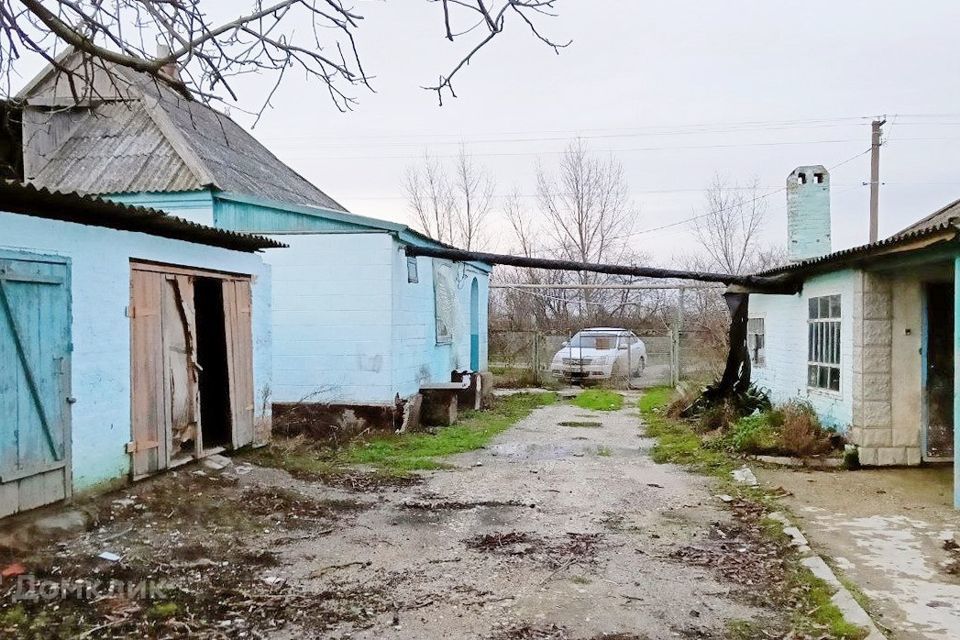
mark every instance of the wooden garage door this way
{"type": "Point", "coordinates": [34, 381]}
{"type": "Point", "coordinates": [167, 392]}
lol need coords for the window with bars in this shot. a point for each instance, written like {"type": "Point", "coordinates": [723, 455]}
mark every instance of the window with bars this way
{"type": "Point", "coordinates": [823, 343]}
{"type": "Point", "coordinates": [756, 342]}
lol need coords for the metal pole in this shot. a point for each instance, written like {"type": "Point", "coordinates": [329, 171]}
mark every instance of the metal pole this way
{"type": "Point", "coordinates": [875, 178]}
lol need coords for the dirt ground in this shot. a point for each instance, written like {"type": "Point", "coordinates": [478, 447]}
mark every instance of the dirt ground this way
{"type": "Point", "coordinates": [885, 530]}
{"type": "Point", "coordinates": [552, 531]}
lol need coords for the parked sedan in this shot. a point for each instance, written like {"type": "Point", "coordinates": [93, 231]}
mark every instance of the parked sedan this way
{"type": "Point", "coordinates": [600, 353]}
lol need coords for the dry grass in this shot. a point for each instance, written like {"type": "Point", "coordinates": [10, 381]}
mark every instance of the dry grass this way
{"type": "Point", "coordinates": [801, 433]}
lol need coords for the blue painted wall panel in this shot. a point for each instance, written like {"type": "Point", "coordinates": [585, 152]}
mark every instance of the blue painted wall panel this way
{"type": "Point", "coordinates": [100, 262]}
{"type": "Point", "coordinates": [196, 206]}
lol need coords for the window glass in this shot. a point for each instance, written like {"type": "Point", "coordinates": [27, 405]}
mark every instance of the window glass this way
{"type": "Point", "coordinates": [824, 342]}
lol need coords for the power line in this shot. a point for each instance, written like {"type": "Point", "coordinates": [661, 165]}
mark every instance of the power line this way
{"type": "Point", "coordinates": [739, 204]}
{"type": "Point", "coordinates": [611, 151]}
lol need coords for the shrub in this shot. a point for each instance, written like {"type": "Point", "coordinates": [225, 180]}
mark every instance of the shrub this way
{"type": "Point", "coordinates": [801, 433]}
{"type": "Point", "coordinates": [756, 434]}
{"type": "Point", "coordinates": [719, 417]}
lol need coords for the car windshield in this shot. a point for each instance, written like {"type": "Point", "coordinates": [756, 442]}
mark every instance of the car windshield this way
{"type": "Point", "coordinates": [589, 340]}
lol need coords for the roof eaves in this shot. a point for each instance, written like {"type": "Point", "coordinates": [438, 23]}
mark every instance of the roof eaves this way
{"type": "Point", "coordinates": [90, 210]}
{"type": "Point", "coordinates": [865, 251]}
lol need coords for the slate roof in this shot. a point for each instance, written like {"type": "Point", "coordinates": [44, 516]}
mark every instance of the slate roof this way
{"type": "Point", "coordinates": [164, 142]}
{"type": "Point", "coordinates": [72, 207]}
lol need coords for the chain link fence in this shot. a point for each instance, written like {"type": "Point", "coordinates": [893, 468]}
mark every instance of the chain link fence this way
{"type": "Point", "coordinates": [523, 358]}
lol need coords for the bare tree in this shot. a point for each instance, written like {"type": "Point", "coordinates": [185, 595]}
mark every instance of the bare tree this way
{"type": "Point", "coordinates": [430, 199]}
{"type": "Point", "coordinates": [472, 199]}
{"type": "Point", "coordinates": [588, 213]}
{"type": "Point", "coordinates": [199, 56]}
{"type": "Point", "coordinates": [728, 231]}
{"type": "Point", "coordinates": [586, 205]}
{"type": "Point", "coordinates": [451, 210]}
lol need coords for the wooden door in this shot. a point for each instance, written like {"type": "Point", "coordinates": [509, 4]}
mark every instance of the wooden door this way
{"type": "Point", "coordinates": [150, 413]}
{"type": "Point", "coordinates": [239, 331]}
{"type": "Point", "coordinates": [34, 381]}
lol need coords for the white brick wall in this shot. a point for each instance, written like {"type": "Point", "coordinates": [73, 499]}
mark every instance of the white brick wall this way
{"type": "Point", "coordinates": [785, 371]}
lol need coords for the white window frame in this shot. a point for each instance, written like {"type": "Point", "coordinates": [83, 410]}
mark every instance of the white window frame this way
{"type": "Point", "coordinates": [824, 337]}
{"type": "Point", "coordinates": [758, 354]}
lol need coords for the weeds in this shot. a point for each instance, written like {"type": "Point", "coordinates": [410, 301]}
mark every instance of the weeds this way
{"type": "Point", "coordinates": [419, 451]}
{"type": "Point", "coordinates": [678, 442]}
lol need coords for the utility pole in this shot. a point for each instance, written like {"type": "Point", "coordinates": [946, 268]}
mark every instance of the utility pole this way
{"type": "Point", "coordinates": [875, 177]}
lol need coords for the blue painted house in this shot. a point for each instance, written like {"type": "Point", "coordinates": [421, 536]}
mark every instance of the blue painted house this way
{"type": "Point", "coordinates": [131, 342]}
{"type": "Point", "coordinates": [871, 339]}
{"type": "Point", "coordinates": [355, 322]}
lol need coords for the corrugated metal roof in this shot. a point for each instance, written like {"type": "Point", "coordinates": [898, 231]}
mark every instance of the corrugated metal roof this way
{"type": "Point", "coordinates": [163, 142]}
{"type": "Point", "coordinates": [935, 227]}
{"type": "Point", "coordinates": [117, 148]}
{"type": "Point", "coordinates": [89, 210]}
{"type": "Point", "coordinates": [235, 159]}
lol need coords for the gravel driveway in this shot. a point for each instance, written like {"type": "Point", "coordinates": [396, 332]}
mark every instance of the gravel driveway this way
{"type": "Point", "coordinates": [553, 531]}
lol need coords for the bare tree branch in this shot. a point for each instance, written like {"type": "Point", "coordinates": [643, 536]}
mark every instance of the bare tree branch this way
{"type": "Point", "coordinates": [197, 56]}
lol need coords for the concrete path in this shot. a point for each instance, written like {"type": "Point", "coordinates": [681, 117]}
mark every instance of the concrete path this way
{"type": "Point", "coordinates": [552, 529]}
{"type": "Point", "coordinates": [885, 530]}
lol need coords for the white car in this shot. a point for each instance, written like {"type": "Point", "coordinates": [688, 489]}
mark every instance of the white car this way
{"type": "Point", "coordinates": [600, 353]}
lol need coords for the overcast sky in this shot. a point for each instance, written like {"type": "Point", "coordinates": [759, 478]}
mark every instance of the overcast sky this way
{"type": "Point", "coordinates": [678, 91]}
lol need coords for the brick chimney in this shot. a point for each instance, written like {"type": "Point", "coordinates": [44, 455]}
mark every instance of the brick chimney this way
{"type": "Point", "coordinates": [170, 69]}
{"type": "Point", "coordinates": [808, 213]}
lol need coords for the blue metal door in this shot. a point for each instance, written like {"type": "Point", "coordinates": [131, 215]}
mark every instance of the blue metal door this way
{"type": "Point", "coordinates": [34, 381]}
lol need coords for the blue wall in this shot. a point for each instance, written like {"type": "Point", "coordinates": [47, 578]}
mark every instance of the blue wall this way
{"type": "Point", "coordinates": [100, 271]}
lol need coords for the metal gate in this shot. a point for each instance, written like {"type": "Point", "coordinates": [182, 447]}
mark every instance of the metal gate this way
{"type": "Point", "coordinates": [34, 381]}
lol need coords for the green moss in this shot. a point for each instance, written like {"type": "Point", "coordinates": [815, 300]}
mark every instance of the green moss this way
{"type": "Point", "coordinates": [415, 451]}
{"type": "Point", "coordinates": [599, 400]}
{"type": "Point", "coordinates": [163, 610]}
{"type": "Point", "coordinates": [14, 617]}
{"type": "Point", "coordinates": [304, 462]}
{"type": "Point", "coordinates": [744, 630]}
{"type": "Point", "coordinates": [819, 609]}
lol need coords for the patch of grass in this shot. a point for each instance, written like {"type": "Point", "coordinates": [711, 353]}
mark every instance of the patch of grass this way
{"type": "Point", "coordinates": [819, 609]}
{"type": "Point", "coordinates": [604, 451]}
{"type": "Point", "coordinates": [744, 630]}
{"type": "Point", "coordinates": [13, 617]}
{"type": "Point", "coordinates": [678, 442]}
{"type": "Point", "coordinates": [655, 398]}
{"type": "Point", "coordinates": [599, 400]}
{"type": "Point", "coordinates": [580, 580]}
{"type": "Point", "coordinates": [304, 463]}
{"type": "Point", "coordinates": [419, 451]}
{"type": "Point", "coordinates": [163, 610]}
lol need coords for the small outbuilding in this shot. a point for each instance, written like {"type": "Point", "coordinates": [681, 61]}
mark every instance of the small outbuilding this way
{"type": "Point", "coordinates": [870, 340]}
{"type": "Point", "coordinates": [357, 325]}
{"type": "Point", "coordinates": [131, 341]}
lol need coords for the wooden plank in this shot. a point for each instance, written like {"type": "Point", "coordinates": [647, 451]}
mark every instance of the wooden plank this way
{"type": "Point", "coordinates": [180, 386]}
{"type": "Point", "coordinates": [149, 414]}
{"type": "Point", "coordinates": [40, 489]}
{"type": "Point", "coordinates": [9, 499]}
{"type": "Point", "coordinates": [177, 270]}
{"type": "Point", "coordinates": [27, 370]}
{"type": "Point", "coordinates": [239, 333]}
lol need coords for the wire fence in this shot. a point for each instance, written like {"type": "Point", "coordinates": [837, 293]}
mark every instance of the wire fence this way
{"type": "Point", "coordinates": [524, 358]}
